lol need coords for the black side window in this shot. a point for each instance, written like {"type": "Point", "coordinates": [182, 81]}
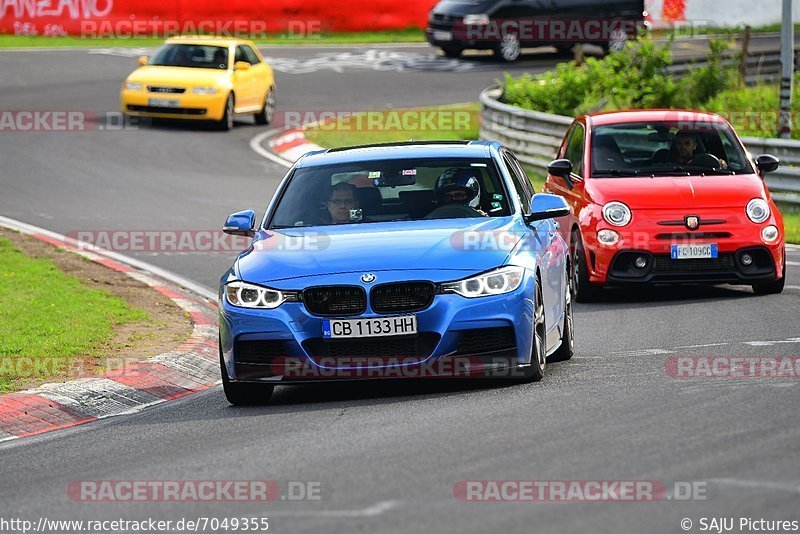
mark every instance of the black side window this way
{"type": "Point", "coordinates": [574, 151]}
{"type": "Point", "coordinates": [518, 181]}
{"type": "Point", "coordinates": [240, 55]}
{"type": "Point", "coordinates": [523, 176]}
{"type": "Point", "coordinates": [252, 57]}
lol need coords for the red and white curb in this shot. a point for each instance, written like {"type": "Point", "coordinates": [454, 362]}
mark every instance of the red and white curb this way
{"type": "Point", "coordinates": [292, 145]}
{"type": "Point", "coordinates": [192, 366]}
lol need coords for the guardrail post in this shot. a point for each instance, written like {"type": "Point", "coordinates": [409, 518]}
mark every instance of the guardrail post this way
{"type": "Point", "coordinates": [745, 54]}
{"type": "Point", "coordinates": [787, 70]}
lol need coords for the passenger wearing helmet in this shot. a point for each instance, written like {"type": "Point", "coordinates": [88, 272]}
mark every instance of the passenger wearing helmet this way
{"type": "Point", "coordinates": [459, 186]}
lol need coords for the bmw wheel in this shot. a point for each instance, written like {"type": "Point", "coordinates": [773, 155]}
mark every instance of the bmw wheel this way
{"type": "Point", "coordinates": [509, 48]}
{"type": "Point", "coordinates": [567, 348]}
{"type": "Point", "coordinates": [617, 41]}
{"type": "Point", "coordinates": [243, 394]}
{"type": "Point", "coordinates": [535, 370]}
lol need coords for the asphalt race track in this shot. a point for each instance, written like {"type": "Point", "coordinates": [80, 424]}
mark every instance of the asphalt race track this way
{"type": "Point", "coordinates": [387, 456]}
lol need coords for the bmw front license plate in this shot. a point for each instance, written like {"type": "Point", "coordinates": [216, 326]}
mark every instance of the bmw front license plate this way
{"type": "Point", "coordinates": [439, 35]}
{"type": "Point", "coordinates": [163, 103]}
{"type": "Point", "coordinates": [691, 252]}
{"type": "Point", "coordinates": [377, 327]}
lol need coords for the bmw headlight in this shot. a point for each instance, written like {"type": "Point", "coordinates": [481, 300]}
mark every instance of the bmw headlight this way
{"type": "Point", "coordinates": [497, 282]}
{"type": "Point", "coordinates": [617, 214]}
{"type": "Point", "coordinates": [133, 86]}
{"type": "Point", "coordinates": [758, 210]}
{"type": "Point", "coordinates": [204, 90]}
{"type": "Point", "coordinates": [246, 295]}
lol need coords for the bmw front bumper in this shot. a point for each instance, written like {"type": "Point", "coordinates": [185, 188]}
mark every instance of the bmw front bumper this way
{"type": "Point", "coordinates": [456, 336]}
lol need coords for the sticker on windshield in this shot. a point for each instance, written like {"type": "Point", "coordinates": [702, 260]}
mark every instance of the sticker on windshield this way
{"type": "Point", "coordinates": [497, 196]}
{"type": "Point", "coordinates": [356, 215]}
{"type": "Point", "coordinates": [496, 206]}
{"type": "Point", "coordinates": [374, 174]}
{"type": "Point", "coordinates": [478, 164]}
{"type": "Point", "coordinates": [409, 172]}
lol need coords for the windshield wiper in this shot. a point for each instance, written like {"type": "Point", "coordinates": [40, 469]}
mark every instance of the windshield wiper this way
{"type": "Point", "coordinates": [703, 170]}
{"type": "Point", "coordinates": [617, 172]}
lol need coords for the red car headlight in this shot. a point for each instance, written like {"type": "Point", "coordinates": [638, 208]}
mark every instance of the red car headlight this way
{"type": "Point", "coordinates": [617, 214]}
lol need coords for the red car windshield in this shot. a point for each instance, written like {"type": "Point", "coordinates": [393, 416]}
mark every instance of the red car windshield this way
{"type": "Point", "coordinates": [666, 149]}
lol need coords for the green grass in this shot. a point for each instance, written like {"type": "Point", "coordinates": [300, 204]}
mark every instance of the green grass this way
{"type": "Point", "coordinates": [410, 35]}
{"type": "Point", "coordinates": [48, 318]}
{"type": "Point", "coordinates": [791, 224]}
{"type": "Point", "coordinates": [451, 122]}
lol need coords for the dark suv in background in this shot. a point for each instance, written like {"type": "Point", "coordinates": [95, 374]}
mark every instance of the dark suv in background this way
{"type": "Point", "coordinates": [507, 26]}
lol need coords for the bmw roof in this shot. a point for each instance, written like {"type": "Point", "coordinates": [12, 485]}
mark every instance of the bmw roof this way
{"type": "Point", "coordinates": [407, 149]}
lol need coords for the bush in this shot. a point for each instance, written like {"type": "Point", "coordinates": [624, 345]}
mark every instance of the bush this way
{"type": "Point", "coordinates": [636, 77]}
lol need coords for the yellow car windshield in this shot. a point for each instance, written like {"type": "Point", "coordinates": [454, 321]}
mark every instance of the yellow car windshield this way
{"type": "Point", "coordinates": [191, 56]}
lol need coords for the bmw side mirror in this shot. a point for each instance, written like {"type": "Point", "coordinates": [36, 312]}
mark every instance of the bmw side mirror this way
{"type": "Point", "coordinates": [241, 223]}
{"type": "Point", "coordinates": [560, 167]}
{"type": "Point", "coordinates": [767, 163]}
{"type": "Point", "coordinates": [241, 65]}
{"type": "Point", "coordinates": [547, 206]}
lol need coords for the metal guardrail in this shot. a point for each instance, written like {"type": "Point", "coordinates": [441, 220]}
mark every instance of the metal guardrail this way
{"type": "Point", "coordinates": [535, 138]}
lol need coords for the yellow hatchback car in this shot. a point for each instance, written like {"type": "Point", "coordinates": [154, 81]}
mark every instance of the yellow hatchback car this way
{"type": "Point", "coordinates": [202, 78]}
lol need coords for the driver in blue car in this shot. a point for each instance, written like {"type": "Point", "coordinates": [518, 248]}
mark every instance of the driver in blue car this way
{"type": "Point", "coordinates": [459, 186]}
{"type": "Point", "coordinates": [342, 204]}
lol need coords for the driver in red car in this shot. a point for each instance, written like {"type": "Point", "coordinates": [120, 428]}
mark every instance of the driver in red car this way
{"type": "Point", "coordinates": [685, 147]}
{"type": "Point", "coordinates": [459, 186]}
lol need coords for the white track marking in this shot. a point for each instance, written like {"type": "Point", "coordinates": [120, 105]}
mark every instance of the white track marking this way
{"type": "Point", "coordinates": [642, 352]}
{"type": "Point", "coordinates": [255, 145]}
{"type": "Point", "coordinates": [372, 511]}
{"type": "Point", "coordinates": [703, 346]}
{"type": "Point", "coordinates": [760, 484]}
{"type": "Point", "coordinates": [791, 340]}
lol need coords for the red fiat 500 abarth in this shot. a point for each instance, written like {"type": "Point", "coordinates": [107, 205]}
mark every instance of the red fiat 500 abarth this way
{"type": "Point", "coordinates": [666, 197]}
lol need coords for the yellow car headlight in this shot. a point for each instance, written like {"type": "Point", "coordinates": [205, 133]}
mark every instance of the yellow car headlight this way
{"type": "Point", "coordinates": [204, 90]}
{"type": "Point", "coordinates": [133, 86]}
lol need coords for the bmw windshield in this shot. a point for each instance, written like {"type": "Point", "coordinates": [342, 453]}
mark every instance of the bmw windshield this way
{"type": "Point", "coordinates": [391, 190]}
{"type": "Point", "coordinates": [667, 149]}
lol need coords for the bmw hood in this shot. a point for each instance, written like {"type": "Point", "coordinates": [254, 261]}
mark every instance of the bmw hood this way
{"type": "Point", "coordinates": [733, 191]}
{"type": "Point", "coordinates": [446, 245]}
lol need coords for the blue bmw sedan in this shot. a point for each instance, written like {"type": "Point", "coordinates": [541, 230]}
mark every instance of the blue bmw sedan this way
{"type": "Point", "coordinates": [418, 259]}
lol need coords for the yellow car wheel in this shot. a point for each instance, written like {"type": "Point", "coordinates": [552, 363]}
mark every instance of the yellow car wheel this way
{"type": "Point", "coordinates": [268, 111]}
{"type": "Point", "coordinates": [226, 122]}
